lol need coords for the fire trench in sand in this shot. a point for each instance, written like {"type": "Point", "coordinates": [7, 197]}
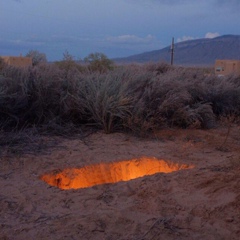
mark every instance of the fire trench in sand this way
{"type": "Point", "coordinates": [113, 172]}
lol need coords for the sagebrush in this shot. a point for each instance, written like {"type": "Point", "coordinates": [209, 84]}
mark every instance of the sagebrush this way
{"type": "Point", "coordinates": [139, 98]}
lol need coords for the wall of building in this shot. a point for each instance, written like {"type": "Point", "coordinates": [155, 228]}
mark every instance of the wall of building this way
{"type": "Point", "coordinates": [226, 67]}
{"type": "Point", "coordinates": [18, 61]}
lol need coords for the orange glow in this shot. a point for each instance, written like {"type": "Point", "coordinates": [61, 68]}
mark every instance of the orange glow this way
{"type": "Point", "coordinates": [91, 175]}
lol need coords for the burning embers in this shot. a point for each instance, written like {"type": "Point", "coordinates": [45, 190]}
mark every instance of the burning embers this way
{"type": "Point", "coordinates": [102, 173]}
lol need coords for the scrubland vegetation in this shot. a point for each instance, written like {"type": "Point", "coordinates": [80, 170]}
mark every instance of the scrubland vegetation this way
{"type": "Point", "coordinates": [65, 97]}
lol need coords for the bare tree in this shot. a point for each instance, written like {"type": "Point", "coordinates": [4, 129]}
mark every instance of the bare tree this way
{"type": "Point", "coordinates": [99, 62]}
{"type": "Point", "coordinates": [37, 57]}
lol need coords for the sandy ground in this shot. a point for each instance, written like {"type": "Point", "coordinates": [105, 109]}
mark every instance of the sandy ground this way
{"type": "Point", "coordinates": [199, 203]}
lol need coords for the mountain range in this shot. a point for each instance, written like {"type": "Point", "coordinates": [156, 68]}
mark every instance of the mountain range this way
{"type": "Point", "coordinates": [198, 52]}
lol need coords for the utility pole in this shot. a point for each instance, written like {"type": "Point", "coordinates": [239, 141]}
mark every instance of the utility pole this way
{"type": "Point", "coordinates": [172, 51]}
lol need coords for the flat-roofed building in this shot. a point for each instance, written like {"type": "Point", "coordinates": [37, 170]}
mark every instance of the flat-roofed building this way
{"type": "Point", "coordinates": [17, 61]}
{"type": "Point", "coordinates": [227, 67]}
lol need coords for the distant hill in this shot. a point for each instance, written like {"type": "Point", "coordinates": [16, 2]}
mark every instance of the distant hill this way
{"type": "Point", "coordinates": [202, 52]}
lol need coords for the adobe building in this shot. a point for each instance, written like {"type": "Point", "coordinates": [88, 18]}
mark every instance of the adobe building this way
{"type": "Point", "coordinates": [17, 61]}
{"type": "Point", "coordinates": [226, 67]}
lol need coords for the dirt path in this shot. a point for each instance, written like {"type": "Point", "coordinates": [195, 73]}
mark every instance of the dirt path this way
{"type": "Point", "coordinates": [199, 203]}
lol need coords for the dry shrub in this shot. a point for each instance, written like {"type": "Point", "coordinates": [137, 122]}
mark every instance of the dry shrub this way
{"type": "Point", "coordinates": [166, 100]}
{"type": "Point", "coordinates": [12, 102]}
{"type": "Point", "coordinates": [225, 97]}
{"type": "Point", "coordinates": [158, 68]}
{"type": "Point", "coordinates": [139, 98]}
{"type": "Point", "coordinates": [105, 100]}
{"type": "Point", "coordinates": [36, 96]}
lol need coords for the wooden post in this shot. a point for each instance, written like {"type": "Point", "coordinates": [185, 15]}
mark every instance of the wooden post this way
{"type": "Point", "coordinates": [172, 51]}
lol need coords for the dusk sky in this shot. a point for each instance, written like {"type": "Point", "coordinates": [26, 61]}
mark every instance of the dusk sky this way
{"type": "Point", "coordinates": [117, 28]}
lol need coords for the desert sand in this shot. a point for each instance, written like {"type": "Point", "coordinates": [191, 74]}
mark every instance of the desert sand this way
{"type": "Point", "coordinates": [202, 202]}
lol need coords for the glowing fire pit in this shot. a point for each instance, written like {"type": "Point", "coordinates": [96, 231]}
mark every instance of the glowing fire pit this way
{"type": "Point", "coordinates": [113, 172]}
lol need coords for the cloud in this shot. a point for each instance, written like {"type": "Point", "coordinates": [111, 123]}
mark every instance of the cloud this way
{"type": "Point", "coordinates": [207, 35]}
{"type": "Point", "coordinates": [185, 38]}
{"type": "Point", "coordinates": [131, 39]}
{"type": "Point", "coordinates": [24, 43]}
{"type": "Point", "coordinates": [131, 44]}
{"type": "Point", "coordinates": [212, 35]}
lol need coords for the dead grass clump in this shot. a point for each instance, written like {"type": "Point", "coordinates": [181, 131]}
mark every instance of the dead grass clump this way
{"type": "Point", "coordinates": [105, 101]}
